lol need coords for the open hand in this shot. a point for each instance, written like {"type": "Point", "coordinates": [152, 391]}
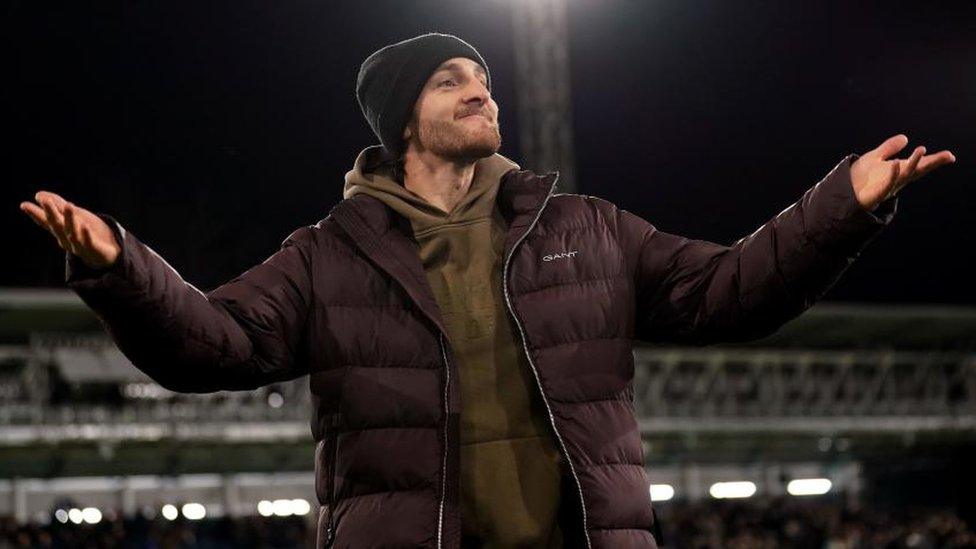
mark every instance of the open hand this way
{"type": "Point", "coordinates": [876, 178]}
{"type": "Point", "coordinates": [76, 229]}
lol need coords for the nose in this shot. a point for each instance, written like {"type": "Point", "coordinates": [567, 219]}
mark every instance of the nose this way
{"type": "Point", "coordinates": [477, 91]}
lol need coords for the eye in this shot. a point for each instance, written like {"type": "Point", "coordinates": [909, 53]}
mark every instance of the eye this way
{"type": "Point", "coordinates": [448, 81]}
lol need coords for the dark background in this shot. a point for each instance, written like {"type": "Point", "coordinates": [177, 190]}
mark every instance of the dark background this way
{"type": "Point", "coordinates": [213, 130]}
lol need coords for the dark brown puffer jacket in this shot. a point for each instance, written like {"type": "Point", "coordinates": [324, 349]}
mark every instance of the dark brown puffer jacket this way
{"type": "Point", "coordinates": [347, 301]}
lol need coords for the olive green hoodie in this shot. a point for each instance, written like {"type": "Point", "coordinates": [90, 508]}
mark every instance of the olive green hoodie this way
{"type": "Point", "coordinates": [509, 464]}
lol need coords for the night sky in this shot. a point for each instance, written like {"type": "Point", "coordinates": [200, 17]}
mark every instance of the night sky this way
{"type": "Point", "coordinates": [212, 130]}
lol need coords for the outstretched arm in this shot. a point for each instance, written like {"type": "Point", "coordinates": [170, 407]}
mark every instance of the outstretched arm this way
{"type": "Point", "coordinates": [241, 335]}
{"type": "Point", "coordinates": [699, 292]}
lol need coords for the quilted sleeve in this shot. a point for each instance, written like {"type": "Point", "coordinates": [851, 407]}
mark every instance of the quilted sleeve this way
{"type": "Point", "coordinates": [242, 335]}
{"type": "Point", "coordinates": [699, 292]}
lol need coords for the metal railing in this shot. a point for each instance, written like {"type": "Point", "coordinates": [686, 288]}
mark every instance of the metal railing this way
{"type": "Point", "coordinates": [676, 390]}
{"type": "Point", "coordinates": [772, 389]}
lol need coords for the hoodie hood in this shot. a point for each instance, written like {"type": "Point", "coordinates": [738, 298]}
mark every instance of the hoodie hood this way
{"type": "Point", "coordinates": [372, 174]}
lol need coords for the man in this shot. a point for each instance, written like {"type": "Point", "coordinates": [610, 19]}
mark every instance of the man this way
{"type": "Point", "coordinates": [467, 332]}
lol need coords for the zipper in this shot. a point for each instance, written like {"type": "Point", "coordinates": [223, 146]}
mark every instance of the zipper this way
{"type": "Point", "coordinates": [330, 485]}
{"type": "Point", "coordinates": [355, 227]}
{"type": "Point", "coordinates": [525, 347]}
{"type": "Point", "coordinates": [447, 382]}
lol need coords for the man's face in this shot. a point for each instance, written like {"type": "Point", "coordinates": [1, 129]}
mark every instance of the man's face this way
{"type": "Point", "coordinates": [455, 116]}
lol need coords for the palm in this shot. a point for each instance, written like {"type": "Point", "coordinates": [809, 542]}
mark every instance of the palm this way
{"type": "Point", "coordinates": [876, 177]}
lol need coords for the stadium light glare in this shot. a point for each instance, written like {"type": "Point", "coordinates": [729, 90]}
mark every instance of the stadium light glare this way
{"type": "Point", "coordinates": [808, 486]}
{"type": "Point", "coordinates": [194, 511]}
{"type": "Point", "coordinates": [731, 490]}
{"type": "Point", "coordinates": [300, 507]}
{"type": "Point", "coordinates": [265, 508]}
{"type": "Point", "coordinates": [661, 492]}
{"type": "Point", "coordinates": [91, 515]}
{"type": "Point", "coordinates": [282, 507]}
{"type": "Point", "coordinates": [75, 516]}
{"type": "Point", "coordinates": [170, 512]}
{"type": "Point", "coordinates": [61, 515]}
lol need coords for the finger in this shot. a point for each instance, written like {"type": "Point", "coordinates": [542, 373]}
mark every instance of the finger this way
{"type": "Point", "coordinates": [54, 217]}
{"type": "Point", "coordinates": [47, 200]}
{"type": "Point", "coordinates": [71, 225]}
{"type": "Point", "coordinates": [36, 213]}
{"type": "Point", "coordinates": [56, 202]}
{"type": "Point", "coordinates": [913, 163]}
{"type": "Point", "coordinates": [56, 224]}
{"type": "Point", "coordinates": [891, 146]}
{"type": "Point", "coordinates": [907, 174]}
{"type": "Point", "coordinates": [895, 169]}
{"type": "Point", "coordinates": [933, 161]}
{"type": "Point", "coordinates": [55, 199]}
{"type": "Point", "coordinates": [39, 216]}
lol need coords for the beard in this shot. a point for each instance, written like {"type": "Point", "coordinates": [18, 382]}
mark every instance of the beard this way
{"type": "Point", "coordinates": [459, 140]}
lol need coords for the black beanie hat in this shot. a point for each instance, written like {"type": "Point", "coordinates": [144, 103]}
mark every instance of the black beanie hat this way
{"type": "Point", "coordinates": [390, 81]}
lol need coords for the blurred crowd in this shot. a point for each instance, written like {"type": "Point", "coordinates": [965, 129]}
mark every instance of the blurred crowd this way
{"type": "Point", "coordinates": [808, 524]}
{"type": "Point", "coordinates": [158, 533]}
{"type": "Point", "coordinates": [704, 525]}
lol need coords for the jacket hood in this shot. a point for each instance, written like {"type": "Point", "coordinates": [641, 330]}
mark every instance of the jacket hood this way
{"type": "Point", "coordinates": [372, 174]}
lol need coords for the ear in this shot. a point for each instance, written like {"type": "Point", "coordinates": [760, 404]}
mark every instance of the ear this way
{"type": "Point", "coordinates": [408, 131]}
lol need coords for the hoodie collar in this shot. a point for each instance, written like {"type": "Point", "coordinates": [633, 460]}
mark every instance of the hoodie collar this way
{"type": "Point", "coordinates": [385, 236]}
{"type": "Point", "coordinates": [372, 174]}
{"type": "Point", "coordinates": [521, 193]}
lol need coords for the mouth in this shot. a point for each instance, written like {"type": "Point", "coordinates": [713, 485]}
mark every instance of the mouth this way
{"type": "Point", "coordinates": [477, 117]}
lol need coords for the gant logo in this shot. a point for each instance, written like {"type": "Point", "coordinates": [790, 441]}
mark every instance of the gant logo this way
{"type": "Point", "coordinates": [560, 255]}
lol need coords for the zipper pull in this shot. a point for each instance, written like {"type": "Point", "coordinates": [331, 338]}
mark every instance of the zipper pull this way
{"type": "Point", "coordinates": [329, 535]}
